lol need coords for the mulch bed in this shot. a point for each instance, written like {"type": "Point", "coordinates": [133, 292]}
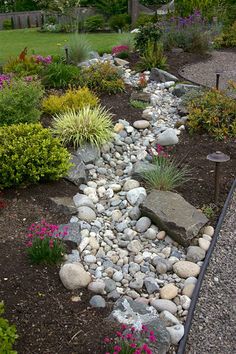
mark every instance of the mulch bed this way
{"type": "Point", "coordinates": [47, 320]}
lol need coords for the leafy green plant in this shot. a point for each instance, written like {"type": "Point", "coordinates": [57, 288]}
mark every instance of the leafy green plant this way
{"type": "Point", "coordinates": [150, 33]}
{"type": "Point", "coordinates": [60, 75]}
{"type": "Point", "coordinates": [78, 49]}
{"type": "Point", "coordinates": [29, 154]}
{"type": "Point", "coordinates": [94, 23]}
{"type": "Point", "coordinates": [227, 38]}
{"type": "Point", "coordinates": [143, 20]}
{"type": "Point", "coordinates": [214, 113]}
{"type": "Point", "coordinates": [7, 24]}
{"type": "Point", "coordinates": [111, 7]}
{"type": "Point", "coordinates": [208, 210]}
{"type": "Point", "coordinates": [25, 67]}
{"type": "Point", "coordinates": [102, 77]}
{"type": "Point", "coordinates": [153, 57]}
{"type": "Point", "coordinates": [165, 174]}
{"type": "Point", "coordinates": [88, 125]}
{"type": "Point", "coordinates": [20, 101]}
{"type": "Point", "coordinates": [45, 243]}
{"type": "Point", "coordinates": [209, 8]}
{"type": "Point", "coordinates": [8, 334]}
{"type": "Point", "coordinates": [138, 104]}
{"type": "Point", "coordinates": [72, 99]}
{"type": "Point", "coordinates": [119, 22]}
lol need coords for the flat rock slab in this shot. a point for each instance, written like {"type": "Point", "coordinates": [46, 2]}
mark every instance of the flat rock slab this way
{"type": "Point", "coordinates": [64, 205]}
{"type": "Point", "coordinates": [72, 232]}
{"type": "Point", "coordinates": [173, 214]}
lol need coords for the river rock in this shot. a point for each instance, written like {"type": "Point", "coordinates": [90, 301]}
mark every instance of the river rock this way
{"type": "Point", "coordinates": [204, 244]}
{"type": "Point", "coordinates": [77, 173]}
{"type": "Point", "coordinates": [131, 184]}
{"type": "Point", "coordinates": [176, 333]}
{"type": "Point", "coordinates": [73, 276]}
{"type": "Point", "coordinates": [209, 230]}
{"type": "Point", "coordinates": [143, 224]}
{"type": "Point", "coordinates": [168, 137]}
{"type": "Point", "coordinates": [164, 305]}
{"type": "Point", "coordinates": [134, 246]}
{"type": "Point", "coordinates": [168, 319]}
{"type": "Point", "coordinates": [195, 254]}
{"type": "Point", "coordinates": [185, 269]}
{"type": "Point", "coordinates": [136, 196]}
{"type": "Point", "coordinates": [81, 200]}
{"type": "Point", "coordinates": [87, 214]}
{"type": "Point", "coordinates": [172, 213]}
{"type": "Point", "coordinates": [97, 286]}
{"type": "Point", "coordinates": [97, 301]}
{"type": "Point", "coordinates": [64, 205]}
{"type": "Point", "coordinates": [88, 153]}
{"type": "Point", "coordinates": [141, 124]}
{"type": "Point", "coordinates": [168, 292]}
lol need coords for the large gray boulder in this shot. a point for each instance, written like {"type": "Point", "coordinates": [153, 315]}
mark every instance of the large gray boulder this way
{"type": "Point", "coordinates": [159, 75]}
{"type": "Point", "coordinates": [77, 173]}
{"type": "Point", "coordinates": [181, 89]}
{"type": "Point", "coordinates": [130, 312]}
{"type": "Point", "coordinates": [88, 153]}
{"type": "Point", "coordinates": [64, 205]}
{"type": "Point", "coordinates": [172, 213]}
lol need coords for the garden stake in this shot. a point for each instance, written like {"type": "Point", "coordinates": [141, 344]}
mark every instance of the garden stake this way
{"type": "Point", "coordinates": [217, 80]}
{"type": "Point", "coordinates": [218, 157]}
{"type": "Point", "coordinates": [67, 55]}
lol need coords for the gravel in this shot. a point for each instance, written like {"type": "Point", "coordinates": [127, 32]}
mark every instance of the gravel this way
{"type": "Point", "coordinates": [204, 73]}
{"type": "Point", "coordinates": [213, 327]}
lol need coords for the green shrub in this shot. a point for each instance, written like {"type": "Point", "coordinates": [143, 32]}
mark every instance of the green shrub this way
{"type": "Point", "coordinates": [165, 175]}
{"type": "Point", "coordinates": [72, 99]}
{"type": "Point", "coordinates": [228, 37]}
{"type": "Point", "coordinates": [7, 24]}
{"type": "Point", "coordinates": [8, 334]}
{"type": "Point", "coordinates": [153, 57]}
{"type": "Point", "coordinates": [60, 75]}
{"type": "Point", "coordinates": [102, 77]}
{"type": "Point", "coordinates": [19, 102]}
{"type": "Point", "coordinates": [138, 104]}
{"type": "Point", "coordinates": [29, 154]}
{"type": "Point", "coordinates": [209, 8]}
{"type": "Point", "coordinates": [149, 33]}
{"type": "Point", "coordinates": [214, 113]}
{"type": "Point", "coordinates": [119, 22]}
{"type": "Point", "coordinates": [22, 68]}
{"type": "Point", "coordinates": [45, 243]}
{"type": "Point", "coordinates": [78, 49]}
{"type": "Point", "coordinates": [88, 125]}
{"type": "Point", "coordinates": [143, 20]}
{"type": "Point", "coordinates": [94, 23]}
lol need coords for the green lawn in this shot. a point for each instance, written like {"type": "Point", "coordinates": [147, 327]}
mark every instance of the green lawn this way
{"type": "Point", "coordinates": [12, 42]}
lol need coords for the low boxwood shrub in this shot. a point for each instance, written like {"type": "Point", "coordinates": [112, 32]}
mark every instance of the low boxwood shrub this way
{"type": "Point", "coordinates": [29, 154]}
{"type": "Point", "coordinates": [102, 77]}
{"type": "Point", "coordinates": [88, 125]}
{"type": "Point", "coordinates": [72, 99]}
{"type": "Point", "coordinates": [20, 101]}
{"type": "Point", "coordinates": [8, 334]}
{"type": "Point", "coordinates": [60, 75]}
{"type": "Point", "coordinates": [213, 112]}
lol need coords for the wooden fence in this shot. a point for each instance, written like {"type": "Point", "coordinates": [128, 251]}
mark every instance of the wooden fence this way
{"type": "Point", "coordinates": [28, 19]}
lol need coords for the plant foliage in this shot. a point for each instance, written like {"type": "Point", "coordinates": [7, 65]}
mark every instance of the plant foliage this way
{"type": "Point", "coordinates": [88, 125]}
{"type": "Point", "coordinates": [151, 32]}
{"type": "Point", "coordinates": [60, 75]}
{"type": "Point", "coordinates": [8, 334]}
{"type": "Point", "coordinates": [153, 57]}
{"type": "Point", "coordinates": [78, 49]}
{"type": "Point", "coordinates": [29, 154]}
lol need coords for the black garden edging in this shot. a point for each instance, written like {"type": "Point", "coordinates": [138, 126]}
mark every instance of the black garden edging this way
{"type": "Point", "coordinates": [188, 323]}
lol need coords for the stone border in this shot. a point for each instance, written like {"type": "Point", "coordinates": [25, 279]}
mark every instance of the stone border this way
{"type": "Point", "coordinates": [194, 299]}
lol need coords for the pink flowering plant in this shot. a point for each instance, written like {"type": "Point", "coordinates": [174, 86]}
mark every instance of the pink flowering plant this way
{"type": "Point", "coordinates": [129, 340]}
{"type": "Point", "coordinates": [121, 51]}
{"type": "Point", "coordinates": [45, 243]}
{"type": "Point", "coordinates": [160, 153]}
{"type": "Point", "coordinates": [4, 79]}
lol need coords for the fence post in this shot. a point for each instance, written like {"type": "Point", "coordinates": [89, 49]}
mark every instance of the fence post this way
{"type": "Point", "coordinates": [134, 10]}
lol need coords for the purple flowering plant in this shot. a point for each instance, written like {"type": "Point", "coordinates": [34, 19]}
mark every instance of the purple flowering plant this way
{"type": "Point", "coordinates": [4, 79]}
{"type": "Point", "coordinates": [129, 340]}
{"type": "Point", "coordinates": [45, 243]}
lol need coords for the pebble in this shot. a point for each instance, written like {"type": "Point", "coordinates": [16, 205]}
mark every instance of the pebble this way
{"type": "Point", "coordinates": [97, 286]}
{"type": "Point", "coordinates": [168, 319]}
{"type": "Point", "coordinates": [204, 244]}
{"type": "Point", "coordinates": [136, 196]}
{"type": "Point", "coordinates": [161, 235]}
{"type": "Point", "coordinates": [134, 246]}
{"type": "Point", "coordinates": [86, 213]}
{"type": "Point", "coordinates": [97, 301]}
{"type": "Point", "coordinates": [185, 269]}
{"type": "Point", "coordinates": [176, 333]}
{"type": "Point", "coordinates": [164, 305]}
{"type": "Point", "coordinates": [130, 184]}
{"type": "Point", "coordinates": [141, 124]}
{"type": "Point", "coordinates": [168, 292]}
{"type": "Point", "coordinates": [143, 224]}
{"type": "Point", "coordinates": [188, 290]}
{"type": "Point", "coordinates": [118, 276]}
{"type": "Point", "coordinates": [195, 254]}
{"type": "Point", "coordinates": [209, 230]}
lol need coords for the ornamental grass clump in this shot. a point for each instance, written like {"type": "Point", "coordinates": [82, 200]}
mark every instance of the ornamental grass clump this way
{"type": "Point", "coordinates": [45, 243]}
{"type": "Point", "coordinates": [88, 125]}
{"type": "Point", "coordinates": [164, 173]}
{"type": "Point", "coordinates": [130, 340]}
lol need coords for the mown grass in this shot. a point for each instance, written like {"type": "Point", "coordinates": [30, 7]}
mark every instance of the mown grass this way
{"type": "Point", "coordinates": [12, 42]}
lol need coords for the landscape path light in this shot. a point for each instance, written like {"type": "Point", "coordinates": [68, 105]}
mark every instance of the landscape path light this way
{"type": "Point", "coordinates": [218, 157]}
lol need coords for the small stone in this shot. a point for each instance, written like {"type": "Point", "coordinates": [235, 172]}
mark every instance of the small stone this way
{"type": "Point", "coordinates": [136, 196]}
{"type": "Point", "coordinates": [209, 230]}
{"type": "Point", "coordinates": [97, 301]}
{"type": "Point", "coordinates": [143, 224]}
{"type": "Point", "coordinates": [151, 285]}
{"type": "Point", "coordinates": [162, 305]}
{"type": "Point", "coordinates": [168, 292]}
{"type": "Point", "coordinates": [87, 214]}
{"type": "Point", "coordinates": [136, 284]}
{"type": "Point", "coordinates": [195, 254]}
{"type": "Point", "coordinates": [185, 302]}
{"type": "Point", "coordinates": [188, 290]}
{"type": "Point", "coordinates": [168, 319]}
{"type": "Point", "coordinates": [134, 246]}
{"type": "Point", "coordinates": [131, 184]}
{"type": "Point", "coordinates": [110, 285]}
{"type": "Point", "coordinates": [90, 259]}
{"type": "Point", "coordinates": [97, 286]}
{"type": "Point", "coordinates": [150, 234]}
{"type": "Point", "coordinates": [204, 244]}
{"type": "Point", "coordinates": [135, 213]}
{"type": "Point", "coordinates": [73, 276]}
{"type": "Point", "coordinates": [113, 295]}
{"type": "Point", "coordinates": [168, 137]}
{"type": "Point", "coordinates": [93, 243]}
{"type": "Point", "coordinates": [161, 235]}
{"type": "Point", "coordinates": [118, 276]}
{"type": "Point", "coordinates": [141, 124]}
{"type": "Point", "coordinates": [176, 333]}
{"type": "Point", "coordinates": [185, 269]}
{"type": "Point", "coordinates": [119, 127]}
